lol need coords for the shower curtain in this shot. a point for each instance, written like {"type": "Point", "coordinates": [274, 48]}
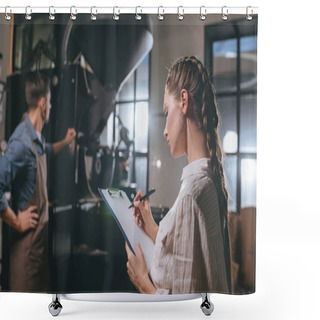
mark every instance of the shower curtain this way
{"type": "Point", "coordinates": [109, 82]}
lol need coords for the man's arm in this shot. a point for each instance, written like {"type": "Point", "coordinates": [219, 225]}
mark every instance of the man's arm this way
{"type": "Point", "coordinates": [58, 146]}
{"type": "Point", "coordinates": [10, 163]}
{"type": "Point", "coordinates": [9, 217]}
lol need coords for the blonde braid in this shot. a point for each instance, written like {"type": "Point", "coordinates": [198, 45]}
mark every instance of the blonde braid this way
{"type": "Point", "coordinates": [209, 110]}
{"type": "Point", "coordinates": [210, 122]}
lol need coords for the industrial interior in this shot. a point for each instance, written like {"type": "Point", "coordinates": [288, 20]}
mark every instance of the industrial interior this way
{"type": "Point", "coordinates": [107, 82]}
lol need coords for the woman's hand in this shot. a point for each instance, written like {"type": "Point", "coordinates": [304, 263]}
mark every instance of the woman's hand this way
{"type": "Point", "coordinates": [144, 219]}
{"type": "Point", "coordinates": [137, 271]}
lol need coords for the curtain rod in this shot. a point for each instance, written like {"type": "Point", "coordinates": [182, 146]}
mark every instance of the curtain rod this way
{"type": "Point", "coordinates": [116, 11]}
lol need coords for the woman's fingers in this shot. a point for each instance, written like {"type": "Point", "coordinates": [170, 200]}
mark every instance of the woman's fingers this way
{"type": "Point", "coordinates": [136, 208]}
{"type": "Point", "coordinates": [140, 208]}
{"type": "Point", "coordinates": [138, 205]}
{"type": "Point", "coordinates": [138, 195]}
{"type": "Point", "coordinates": [129, 253]}
{"type": "Point", "coordinates": [139, 250]}
{"type": "Point", "coordinates": [136, 211]}
{"type": "Point", "coordinates": [129, 269]}
{"type": "Point", "coordinates": [139, 213]}
{"type": "Point", "coordinates": [138, 221]}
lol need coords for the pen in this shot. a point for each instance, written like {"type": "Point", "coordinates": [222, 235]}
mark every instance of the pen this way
{"type": "Point", "coordinates": [149, 193]}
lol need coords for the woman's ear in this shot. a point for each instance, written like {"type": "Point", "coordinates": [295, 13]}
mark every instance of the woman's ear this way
{"type": "Point", "coordinates": [184, 98]}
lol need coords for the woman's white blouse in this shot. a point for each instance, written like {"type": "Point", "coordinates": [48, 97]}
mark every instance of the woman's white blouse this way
{"type": "Point", "coordinates": [189, 253]}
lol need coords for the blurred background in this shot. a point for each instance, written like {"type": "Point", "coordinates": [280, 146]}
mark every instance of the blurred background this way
{"type": "Point", "coordinates": [107, 81]}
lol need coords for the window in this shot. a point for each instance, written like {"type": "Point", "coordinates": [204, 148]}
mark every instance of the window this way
{"type": "Point", "coordinates": [132, 113]}
{"type": "Point", "coordinates": [231, 56]}
{"type": "Point", "coordinates": [34, 44]}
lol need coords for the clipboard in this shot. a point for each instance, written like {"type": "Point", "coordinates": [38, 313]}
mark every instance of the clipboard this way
{"type": "Point", "coordinates": [118, 203]}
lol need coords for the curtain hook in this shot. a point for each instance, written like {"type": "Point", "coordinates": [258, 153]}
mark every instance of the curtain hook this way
{"type": "Point", "coordinates": [160, 15]}
{"type": "Point", "coordinates": [180, 13]}
{"type": "Point", "coordinates": [28, 13]}
{"type": "Point", "coordinates": [52, 11]}
{"type": "Point", "coordinates": [73, 13]}
{"type": "Point", "coordinates": [6, 12]}
{"type": "Point", "coordinates": [224, 13]}
{"type": "Point", "coordinates": [93, 13]}
{"type": "Point", "coordinates": [138, 16]}
{"type": "Point", "coordinates": [203, 13]}
{"type": "Point", "coordinates": [249, 15]}
{"type": "Point", "coordinates": [116, 14]}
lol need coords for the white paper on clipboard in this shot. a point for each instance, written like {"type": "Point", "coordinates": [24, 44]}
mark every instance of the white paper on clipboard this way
{"type": "Point", "coordinates": [118, 204]}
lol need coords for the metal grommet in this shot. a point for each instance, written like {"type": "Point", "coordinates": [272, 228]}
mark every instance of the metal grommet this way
{"type": "Point", "coordinates": [249, 15]}
{"type": "Point", "coordinates": [138, 15]}
{"type": "Point", "coordinates": [28, 13]}
{"type": "Point", "coordinates": [203, 13]}
{"type": "Point", "coordinates": [160, 15]}
{"type": "Point", "coordinates": [116, 14]}
{"type": "Point", "coordinates": [224, 13]}
{"type": "Point", "coordinates": [180, 13]}
{"type": "Point", "coordinates": [6, 13]}
{"type": "Point", "coordinates": [73, 13]}
{"type": "Point", "coordinates": [52, 11]}
{"type": "Point", "coordinates": [93, 13]}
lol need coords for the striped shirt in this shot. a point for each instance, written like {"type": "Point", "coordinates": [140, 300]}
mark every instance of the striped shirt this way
{"type": "Point", "coordinates": [189, 252]}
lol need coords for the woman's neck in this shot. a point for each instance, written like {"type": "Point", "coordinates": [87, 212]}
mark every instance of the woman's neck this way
{"type": "Point", "coordinates": [196, 143]}
{"type": "Point", "coordinates": [36, 119]}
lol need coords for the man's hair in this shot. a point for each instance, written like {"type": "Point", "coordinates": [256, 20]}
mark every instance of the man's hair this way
{"type": "Point", "coordinates": [37, 86]}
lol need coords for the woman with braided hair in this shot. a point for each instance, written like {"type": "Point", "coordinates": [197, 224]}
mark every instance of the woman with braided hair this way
{"type": "Point", "coordinates": [191, 253]}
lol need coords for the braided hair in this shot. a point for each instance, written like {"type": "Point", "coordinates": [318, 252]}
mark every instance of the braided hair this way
{"type": "Point", "coordinates": [189, 73]}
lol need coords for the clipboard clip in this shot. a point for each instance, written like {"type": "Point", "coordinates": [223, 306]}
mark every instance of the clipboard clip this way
{"type": "Point", "coordinates": [115, 192]}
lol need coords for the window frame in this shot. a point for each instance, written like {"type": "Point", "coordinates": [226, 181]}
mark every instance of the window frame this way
{"type": "Point", "coordinates": [235, 29]}
{"type": "Point", "coordinates": [135, 101]}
